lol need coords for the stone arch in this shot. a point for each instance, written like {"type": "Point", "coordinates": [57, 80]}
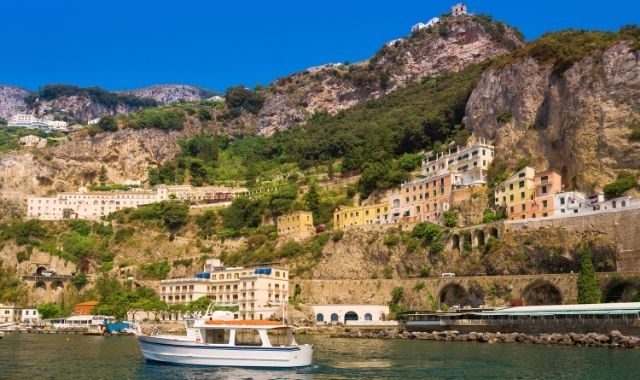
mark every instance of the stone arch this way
{"type": "Point", "coordinates": [40, 285]}
{"type": "Point", "coordinates": [619, 291]}
{"type": "Point", "coordinates": [334, 317]}
{"type": "Point", "coordinates": [319, 317]}
{"type": "Point", "coordinates": [350, 316]}
{"type": "Point", "coordinates": [475, 295]}
{"type": "Point", "coordinates": [453, 294]}
{"type": "Point", "coordinates": [479, 238]}
{"type": "Point", "coordinates": [56, 285]}
{"type": "Point", "coordinates": [541, 292]}
{"type": "Point", "coordinates": [368, 317]}
{"type": "Point", "coordinates": [493, 231]}
{"type": "Point", "coordinates": [455, 242]}
{"type": "Point", "coordinates": [40, 269]}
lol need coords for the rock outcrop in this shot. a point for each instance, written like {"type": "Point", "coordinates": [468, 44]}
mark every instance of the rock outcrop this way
{"type": "Point", "coordinates": [12, 101]}
{"type": "Point", "coordinates": [452, 46]}
{"type": "Point", "coordinates": [170, 93]}
{"type": "Point", "coordinates": [576, 122]}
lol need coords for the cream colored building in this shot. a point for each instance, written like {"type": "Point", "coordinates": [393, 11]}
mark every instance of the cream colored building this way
{"type": "Point", "coordinates": [296, 225]}
{"type": "Point", "coordinates": [258, 292]}
{"type": "Point", "coordinates": [10, 313]}
{"type": "Point", "coordinates": [346, 216]}
{"type": "Point", "coordinates": [205, 194]}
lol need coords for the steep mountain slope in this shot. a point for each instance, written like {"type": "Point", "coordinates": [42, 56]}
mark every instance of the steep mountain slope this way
{"type": "Point", "coordinates": [452, 45]}
{"type": "Point", "coordinates": [171, 93]}
{"type": "Point", "coordinates": [12, 101]}
{"type": "Point", "coordinates": [575, 118]}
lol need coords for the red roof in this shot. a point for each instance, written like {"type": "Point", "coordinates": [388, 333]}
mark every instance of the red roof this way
{"type": "Point", "coordinates": [88, 303]}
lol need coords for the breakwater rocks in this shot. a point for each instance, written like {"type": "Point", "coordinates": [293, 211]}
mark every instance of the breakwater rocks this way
{"type": "Point", "coordinates": [615, 339]}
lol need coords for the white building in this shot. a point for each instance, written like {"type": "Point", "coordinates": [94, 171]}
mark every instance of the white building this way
{"type": "Point", "coordinates": [93, 121]}
{"type": "Point", "coordinates": [351, 314]}
{"type": "Point", "coordinates": [573, 203]}
{"type": "Point", "coordinates": [32, 140]}
{"type": "Point", "coordinates": [258, 292]}
{"type": "Point", "coordinates": [31, 122]}
{"type": "Point", "coordinates": [30, 316]}
{"type": "Point", "coordinates": [470, 163]}
{"type": "Point", "coordinates": [458, 10]}
{"type": "Point", "coordinates": [432, 22]}
{"type": "Point", "coordinates": [9, 313]}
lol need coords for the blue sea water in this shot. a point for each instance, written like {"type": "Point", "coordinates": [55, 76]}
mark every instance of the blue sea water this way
{"type": "Point", "coordinates": [87, 357]}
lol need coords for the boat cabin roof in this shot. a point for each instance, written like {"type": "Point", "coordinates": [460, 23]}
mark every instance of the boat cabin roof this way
{"type": "Point", "coordinates": [241, 324]}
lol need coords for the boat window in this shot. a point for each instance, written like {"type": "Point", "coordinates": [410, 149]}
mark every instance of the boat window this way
{"type": "Point", "coordinates": [280, 337]}
{"type": "Point", "coordinates": [248, 337]}
{"type": "Point", "coordinates": [216, 336]}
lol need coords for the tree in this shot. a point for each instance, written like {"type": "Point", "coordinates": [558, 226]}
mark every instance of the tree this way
{"type": "Point", "coordinates": [49, 310]}
{"type": "Point", "coordinates": [588, 290]}
{"type": "Point", "coordinates": [312, 200]}
{"type": "Point", "coordinates": [241, 97]}
{"type": "Point", "coordinates": [103, 176]}
{"type": "Point", "coordinates": [108, 124]}
{"type": "Point", "coordinates": [450, 219]}
{"type": "Point", "coordinates": [175, 214]}
{"type": "Point", "coordinates": [426, 231]}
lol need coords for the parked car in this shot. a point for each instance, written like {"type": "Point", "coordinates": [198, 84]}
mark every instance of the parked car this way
{"type": "Point", "coordinates": [447, 274]}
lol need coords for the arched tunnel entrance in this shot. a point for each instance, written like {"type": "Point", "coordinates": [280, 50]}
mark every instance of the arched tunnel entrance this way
{"type": "Point", "coordinates": [455, 242]}
{"type": "Point", "coordinates": [619, 291]}
{"type": "Point", "coordinates": [453, 294]}
{"type": "Point", "coordinates": [479, 237]}
{"type": "Point", "coordinates": [40, 269]}
{"type": "Point", "coordinates": [542, 293]}
{"type": "Point", "coordinates": [493, 232]}
{"type": "Point", "coordinates": [350, 316]}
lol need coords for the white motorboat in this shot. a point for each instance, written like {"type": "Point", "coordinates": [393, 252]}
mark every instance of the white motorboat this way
{"type": "Point", "coordinates": [217, 339]}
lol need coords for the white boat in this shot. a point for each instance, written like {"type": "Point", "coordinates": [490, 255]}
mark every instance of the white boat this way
{"type": "Point", "coordinates": [217, 339]}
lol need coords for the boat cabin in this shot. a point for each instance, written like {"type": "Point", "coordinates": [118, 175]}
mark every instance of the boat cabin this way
{"type": "Point", "coordinates": [256, 333]}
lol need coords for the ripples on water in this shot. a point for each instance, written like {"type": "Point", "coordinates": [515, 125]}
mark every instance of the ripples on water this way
{"type": "Point", "coordinates": [84, 357]}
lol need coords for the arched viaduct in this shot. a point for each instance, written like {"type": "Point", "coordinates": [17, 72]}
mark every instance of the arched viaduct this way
{"type": "Point", "coordinates": [545, 289]}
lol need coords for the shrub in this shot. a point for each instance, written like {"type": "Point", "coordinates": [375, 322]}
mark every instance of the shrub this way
{"type": "Point", "coordinates": [337, 235]}
{"type": "Point", "coordinates": [624, 182]}
{"type": "Point", "coordinates": [291, 249]}
{"type": "Point", "coordinates": [504, 117]}
{"type": "Point", "coordinates": [392, 240]}
{"type": "Point", "coordinates": [239, 97]}
{"type": "Point", "coordinates": [426, 231]}
{"type": "Point", "coordinates": [436, 247]}
{"type": "Point", "coordinates": [156, 271]}
{"type": "Point", "coordinates": [123, 234]}
{"type": "Point", "coordinates": [388, 273]}
{"type": "Point", "coordinates": [634, 135]}
{"type": "Point", "coordinates": [79, 280]}
{"type": "Point", "coordinates": [450, 219]}
{"type": "Point", "coordinates": [419, 286]}
{"type": "Point", "coordinates": [425, 270]}
{"type": "Point", "coordinates": [49, 310]}
{"type": "Point", "coordinates": [588, 289]}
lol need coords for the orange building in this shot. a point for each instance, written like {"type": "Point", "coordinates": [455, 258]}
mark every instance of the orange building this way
{"type": "Point", "coordinates": [85, 308]}
{"type": "Point", "coordinates": [527, 195]}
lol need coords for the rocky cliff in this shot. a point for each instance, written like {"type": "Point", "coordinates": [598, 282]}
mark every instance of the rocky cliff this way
{"type": "Point", "coordinates": [126, 154]}
{"type": "Point", "coordinates": [12, 101]}
{"type": "Point", "coordinates": [451, 46]}
{"type": "Point", "coordinates": [171, 93]}
{"type": "Point", "coordinates": [576, 121]}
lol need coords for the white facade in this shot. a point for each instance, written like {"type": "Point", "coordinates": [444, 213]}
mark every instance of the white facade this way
{"type": "Point", "coordinates": [31, 122]}
{"type": "Point", "coordinates": [9, 313]}
{"type": "Point", "coordinates": [458, 10]}
{"type": "Point", "coordinates": [32, 140]}
{"type": "Point", "coordinates": [30, 316]}
{"type": "Point", "coordinates": [93, 121]}
{"type": "Point", "coordinates": [470, 163]}
{"type": "Point", "coordinates": [575, 203]}
{"type": "Point", "coordinates": [350, 314]}
{"type": "Point", "coordinates": [258, 292]}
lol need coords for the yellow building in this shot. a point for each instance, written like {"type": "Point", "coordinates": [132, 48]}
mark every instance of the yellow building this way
{"type": "Point", "coordinates": [361, 215]}
{"type": "Point", "coordinates": [517, 193]}
{"type": "Point", "coordinates": [296, 225]}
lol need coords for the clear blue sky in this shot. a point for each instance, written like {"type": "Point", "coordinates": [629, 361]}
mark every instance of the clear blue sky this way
{"type": "Point", "coordinates": [119, 44]}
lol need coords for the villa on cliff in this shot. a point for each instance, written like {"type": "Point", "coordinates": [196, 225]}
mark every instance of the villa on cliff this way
{"type": "Point", "coordinates": [32, 122]}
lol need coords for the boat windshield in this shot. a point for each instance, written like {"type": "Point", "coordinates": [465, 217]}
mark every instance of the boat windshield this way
{"type": "Point", "coordinates": [248, 337]}
{"type": "Point", "coordinates": [281, 337]}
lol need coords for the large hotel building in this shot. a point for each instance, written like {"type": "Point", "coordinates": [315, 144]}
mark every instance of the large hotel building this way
{"type": "Point", "coordinates": [258, 292]}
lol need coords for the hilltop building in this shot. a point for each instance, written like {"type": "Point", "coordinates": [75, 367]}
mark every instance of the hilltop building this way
{"type": "Point", "coordinates": [31, 122]}
{"type": "Point", "coordinates": [93, 205]}
{"type": "Point", "coordinates": [258, 292]}
{"type": "Point", "coordinates": [458, 10]}
{"type": "Point", "coordinates": [295, 225]}
{"type": "Point", "coordinates": [346, 216]}
{"type": "Point", "coordinates": [433, 21]}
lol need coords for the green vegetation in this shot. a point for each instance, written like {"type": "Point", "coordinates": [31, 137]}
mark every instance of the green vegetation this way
{"type": "Point", "coordinates": [565, 48]}
{"type": "Point", "coordinates": [395, 304]}
{"type": "Point", "coordinates": [625, 182]}
{"type": "Point", "coordinates": [337, 235]}
{"type": "Point", "coordinates": [450, 219]}
{"type": "Point", "coordinates": [588, 289]}
{"type": "Point", "coordinates": [498, 31]}
{"type": "Point", "coordinates": [172, 214]}
{"type": "Point", "coordinates": [387, 273]}
{"type": "Point", "coordinates": [634, 135]}
{"type": "Point", "coordinates": [165, 118]}
{"type": "Point", "coordinates": [241, 98]}
{"type": "Point", "coordinates": [49, 310]}
{"type": "Point", "coordinates": [419, 286]}
{"type": "Point", "coordinates": [11, 290]}
{"type": "Point", "coordinates": [504, 117]}
{"type": "Point", "coordinates": [155, 271]}
{"type": "Point", "coordinates": [96, 94]}
{"type": "Point", "coordinates": [427, 232]}
{"type": "Point", "coordinates": [391, 240]}
{"type": "Point", "coordinates": [115, 298]}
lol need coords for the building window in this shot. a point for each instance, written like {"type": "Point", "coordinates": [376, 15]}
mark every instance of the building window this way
{"type": "Point", "coordinates": [561, 200]}
{"type": "Point", "coordinates": [544, 204]}
{"type": "Point", "coordinates": [544, 189]}
{"type": "Point", "coordinates": [521, 184]}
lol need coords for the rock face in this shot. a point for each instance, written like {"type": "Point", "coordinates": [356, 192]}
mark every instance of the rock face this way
{"type": "Point", "coordinates": [126, 154]}
{"type": "Point", "coordinates": [170, 93]}
{"type": "Point", "coordinates": [12, 101]}
{"type": "Point", "coordinates": [576, 122]}
{"type": "Point", "coordinates": [330, 88]}
{"type": "Point", "coordinates": [81, 107]}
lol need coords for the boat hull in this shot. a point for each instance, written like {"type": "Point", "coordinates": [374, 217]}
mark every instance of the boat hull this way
{"type": "Point", "coordinates": [177, 351]}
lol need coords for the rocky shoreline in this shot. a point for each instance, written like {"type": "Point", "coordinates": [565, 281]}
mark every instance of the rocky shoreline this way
{"type": "Point", "coordinates": [615, 339]}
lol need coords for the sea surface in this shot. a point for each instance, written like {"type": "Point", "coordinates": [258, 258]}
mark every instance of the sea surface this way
{"type": "Point", "coordinates": [24, 356]}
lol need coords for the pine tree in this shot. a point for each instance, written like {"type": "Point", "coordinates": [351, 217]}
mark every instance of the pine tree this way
{"type": "Point", "coordinates": [103, 176]}
{"type": "Point", "coordinates": [312, 200]}
{"type": "Point", "coordinates": [588, 290]}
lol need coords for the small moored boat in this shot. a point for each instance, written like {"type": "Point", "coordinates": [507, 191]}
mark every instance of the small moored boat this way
{"type": "Point", "coordinates": [217, 339]}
